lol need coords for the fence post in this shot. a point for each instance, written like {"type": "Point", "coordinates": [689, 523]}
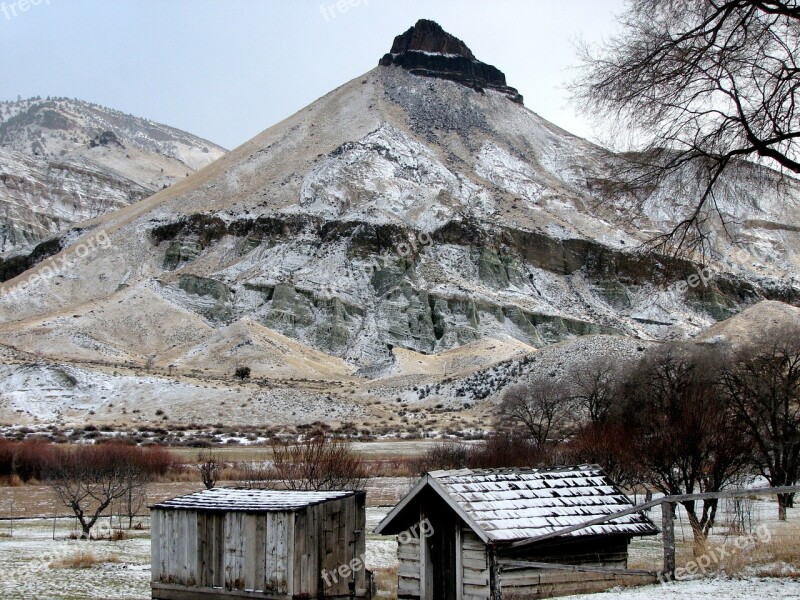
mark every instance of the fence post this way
{"type": "Point", "coordinates": [668, 531]}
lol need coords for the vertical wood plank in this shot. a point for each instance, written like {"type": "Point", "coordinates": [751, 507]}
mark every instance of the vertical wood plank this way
{"type": "Point", "coordinates": [668, 531]}
{"type": "Point", "coordinates": [291, 558]}
{"type": "Point", "coordinates": [459, 564]}
{"type": "Point", "coordinates": [271, 554]}
{"type": "Point", "coordinates": [203, 579]}
{"type": "Point", "coordinates": [155, 545]}
{"type": "Point", "coordinates": [261, 552]}
{"type": "Point", "coordinates": [219, 550]}
{"type": "Point", "coordinates": [172, 564]}
{"type": "Point", "coordinates": [301, 553]}
{"type": "Point", "coordinates": [191, 550]}
{"type": "Point", "coordinates": [495, 591]}
{"type": "Point", "coordinates": [425, 574]}
{"type": "Point", "coordinates": [182, 544]}
{"type": "Point", "coordinates": [283, 552]}
{"type": "Point", "coordinates": [250, 552]}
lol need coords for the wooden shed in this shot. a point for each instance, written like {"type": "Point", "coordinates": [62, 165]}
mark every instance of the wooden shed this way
{"type": "Point", "coordinates": [241, 543]}
{"type": "Point", "coordinates": [471, 534]}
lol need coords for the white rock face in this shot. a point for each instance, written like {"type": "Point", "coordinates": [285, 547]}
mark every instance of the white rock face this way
{"type": "Point", "coordinates": [65, 161]}
{"type": "Point", "coordinates": [394, 222]}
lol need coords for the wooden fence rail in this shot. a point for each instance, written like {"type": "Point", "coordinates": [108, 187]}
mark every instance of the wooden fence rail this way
{"type": "Point", "coordinates": [667, 527]}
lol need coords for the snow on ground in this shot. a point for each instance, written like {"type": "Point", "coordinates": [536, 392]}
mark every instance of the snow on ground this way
{"type": "Point", "coordinates": [26, 571]}
{"type": "Point", "coordinates": [704, 589]}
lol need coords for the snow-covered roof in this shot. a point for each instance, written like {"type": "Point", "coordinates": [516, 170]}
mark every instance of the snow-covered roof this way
{"type": "Point", "coordinates": [246, 500]}
{"type": "Point", "coordinates": [505, 505]}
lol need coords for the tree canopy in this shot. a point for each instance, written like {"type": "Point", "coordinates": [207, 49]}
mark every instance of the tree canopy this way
{"type": "Point", "coordinates": [700, 85]}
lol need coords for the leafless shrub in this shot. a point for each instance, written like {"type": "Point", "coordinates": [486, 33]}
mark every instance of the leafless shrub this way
{"type": "Point", "coordinates": [542, 408]}
{"type": "Point", "coordinates": [596, 387]}
{"type": "Point", "coordinates": [503, 449]}
{"type": "Point", "coordinates": [444, 456]}
{"type": "Point", "coordinates": [319, 463]}
{"type": "Point", "coordinates": [210, 467]}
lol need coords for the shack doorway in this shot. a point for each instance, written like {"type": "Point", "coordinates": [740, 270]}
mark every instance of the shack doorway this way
{"type": "Point", "coordinates": [442, 550]}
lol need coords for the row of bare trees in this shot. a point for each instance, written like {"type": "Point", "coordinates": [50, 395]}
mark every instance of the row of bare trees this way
{"type": "Point", "coordinates": [685, 418]}
{"type": "Point", "coordinates": [88, 479]}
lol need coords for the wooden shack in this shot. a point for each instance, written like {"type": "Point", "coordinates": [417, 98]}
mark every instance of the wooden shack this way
{"type": "Point", "coordinates": [242, 543]}
{"type": "Point", "coordinates": [471, 534]}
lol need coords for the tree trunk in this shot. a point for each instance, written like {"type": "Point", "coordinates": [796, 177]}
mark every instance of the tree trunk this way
{"type": "Point", "coordinates": [87, 530]}
{"type": "Point", "coordinates": [782, 503]}
{"type": "Point", "coordinates": [699, 545]}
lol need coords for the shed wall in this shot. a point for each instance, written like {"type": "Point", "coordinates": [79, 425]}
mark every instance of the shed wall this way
{"type": "Point", "coordinates": [529, 582]}
{"type": "Point", "coordinates": [474, 566]}
{"type": "Point", "coordinates": [281, 554]}
{"type": "Point", "coordinates": [408, 572]}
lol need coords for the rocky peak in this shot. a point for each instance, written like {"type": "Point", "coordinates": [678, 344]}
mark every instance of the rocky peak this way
{"type": "Point", "coordinates": [428, 36]}
{"type": "Point", "coordinates": [428, 50]}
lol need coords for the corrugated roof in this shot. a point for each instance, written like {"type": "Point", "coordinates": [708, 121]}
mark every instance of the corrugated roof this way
{"type": "Point", "coordinates": [246, 500]}
{"type": "Point", "coordinates": [504, 505]}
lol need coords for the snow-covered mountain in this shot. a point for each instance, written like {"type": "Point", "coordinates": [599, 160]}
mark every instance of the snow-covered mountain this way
{"type": "Point", "coordinates": [413, 226]}
{"type": "Point", "coordinates": [64, 161]}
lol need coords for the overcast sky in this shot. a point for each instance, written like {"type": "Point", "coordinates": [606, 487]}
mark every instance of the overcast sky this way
{"type": "Point", "coordinates": [227, 69]}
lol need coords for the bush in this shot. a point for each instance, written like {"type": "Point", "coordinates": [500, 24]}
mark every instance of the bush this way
{"type": "Point", "coordinates": [499, 450]}
{"type": "Point", "coordinates": [34, 460]}
{"type": "Point", "coordinates": [319, 463]}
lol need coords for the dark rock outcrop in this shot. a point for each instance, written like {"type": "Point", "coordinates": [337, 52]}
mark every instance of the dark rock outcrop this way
{"type": "Point", "coordinates": [107, 138]}
{"type": "Point", "coordinates": [428, 50]}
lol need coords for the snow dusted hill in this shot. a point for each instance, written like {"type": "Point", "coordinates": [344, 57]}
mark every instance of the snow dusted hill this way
{"type": "Point", "coordinates": [414, 225]}
{"type": "Point", "coordinates": [64, 161]}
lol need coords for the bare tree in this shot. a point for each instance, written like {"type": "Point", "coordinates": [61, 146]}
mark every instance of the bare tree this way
{"type": "Point", "coordinates": [542, 407]}
{"type": "Point", "coordinates": [87, 479]}
{"type": "Point", "coordinates": [596, 387]}
{"type": "Point", "coordinates": [210, 468]}
{"type": "Point", "coordinates": [701, 85]}
{"type": "Point", "coordinates": [134, 500]}
{"type": "Point", "coordinates": [763, 385]}
{"type": "Point", "coordinates": [319, 463]}
{"type": "Point", "coordinates": [685, 437]}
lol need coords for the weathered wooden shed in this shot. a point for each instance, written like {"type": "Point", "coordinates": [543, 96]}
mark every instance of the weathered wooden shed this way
{"type": "Point", "coordinates": [471, 534]}
{"type": "Point", "coordinates": [242, 543]}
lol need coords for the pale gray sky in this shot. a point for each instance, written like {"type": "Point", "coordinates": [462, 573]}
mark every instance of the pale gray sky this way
{"type": "Point", "coordinates": [227, 69]}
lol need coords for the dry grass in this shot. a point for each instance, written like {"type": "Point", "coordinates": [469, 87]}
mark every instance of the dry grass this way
{"type": "Point", "coordinates": [82, 559]}
{"type": "Point", "coordinates": [119, 535]}
{"type": "Point", "coordinates": [775, 555]}
{"type": "Point", "coordinates": [10, 481]}
{"type": "Point", "coordinates": [386, 583]}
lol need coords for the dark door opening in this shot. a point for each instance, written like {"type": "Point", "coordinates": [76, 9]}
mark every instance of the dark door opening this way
{"type": "Point", "coordinates": [442, 553]}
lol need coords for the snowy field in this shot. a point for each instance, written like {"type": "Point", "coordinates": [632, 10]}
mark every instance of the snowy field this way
{"type": "Point", "coordinates": [713, 589]}
{"type": "Point", "coordinates": [29, 566]}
